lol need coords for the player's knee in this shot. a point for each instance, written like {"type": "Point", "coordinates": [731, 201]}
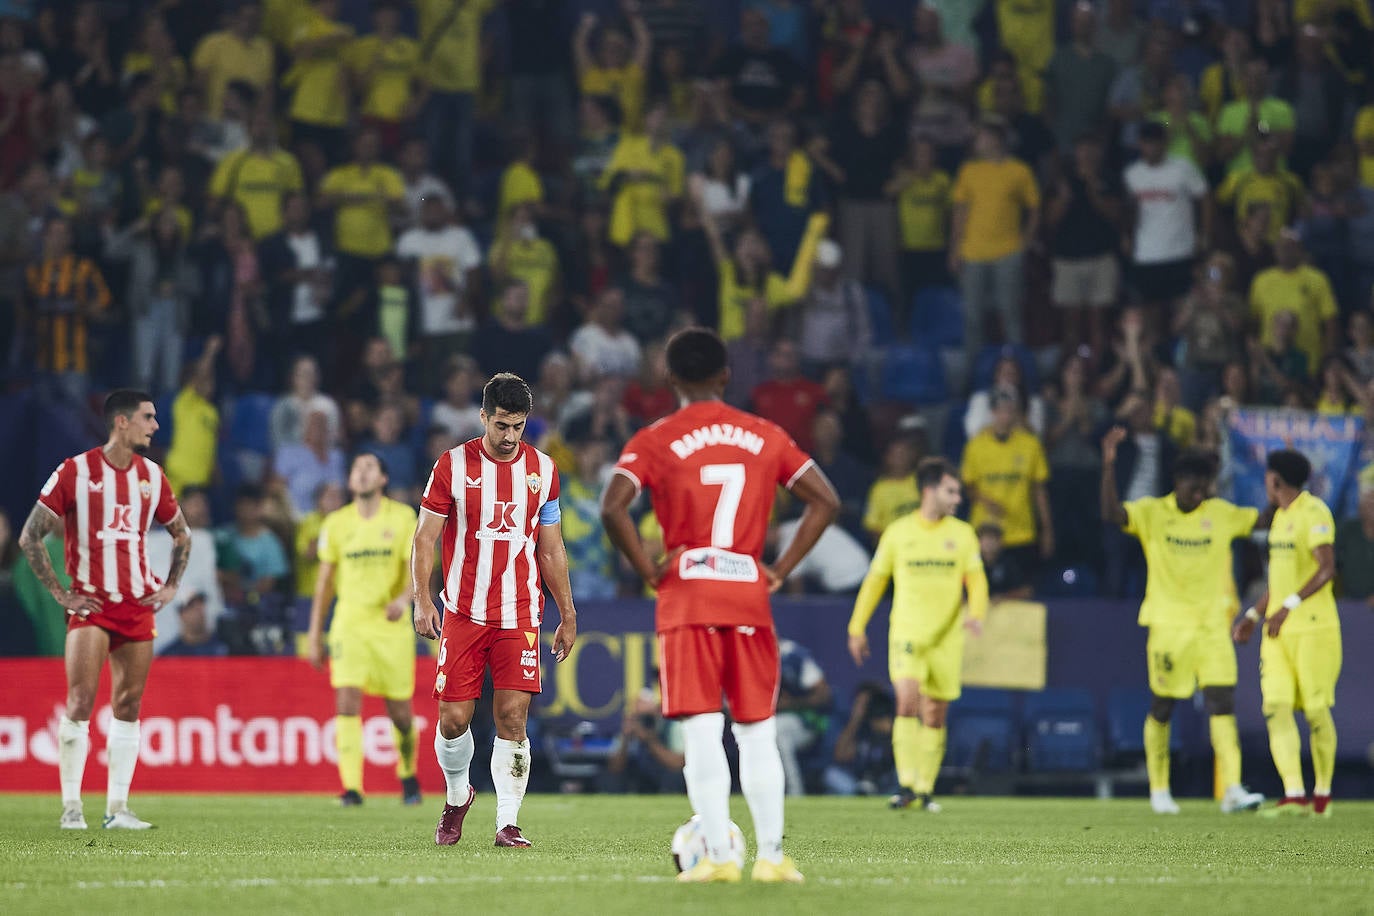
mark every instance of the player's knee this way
{"type": "Point", "coordinates": [453, 722]}
{"type": "Point", "coordinates": [1220, 701]}
{"type": "Point", "coordinates": [1161, 708]}
{"type": "Point", "coordinates": [126, 706]}
{"type": "Point", "coordinates": [510, 724]}
{"type": "Point", "coordinates": [80, 704]}
{"type": "Point", "coordinates": [1277, 711]}
{"type": "Point", "coordinates": [935, 713]}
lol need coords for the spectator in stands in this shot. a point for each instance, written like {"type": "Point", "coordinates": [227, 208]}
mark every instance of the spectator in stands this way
{"type": "Point", "coordinates": [1279, 370]}
{"type": "Point", "coordinates": [646, 178]}
{"type": "Point", "coordinates": [257, 178]}
{"type": "Point", "coordinates": [302, 399]}
{"type": "Point", "coordinates": [996, 211]}
{"type": "Point", "coordinates": [652, 303]}
{"type": "Point", "coordinates": [519, 253]}
{"type": "Point", "coordinates": [894, 493]}
{"type": "Point", "coordinates": [1166, 191]}
{"type": "Point", "coordinates": [195, 636]}
{"type": "Point", "coordinates": [1240, 123]}
{"type": "Point", "coordinates": [1360, 352]}
{"type": "Point", "coordinates": [832, 323]}
{"type": "Point", "coordinates": [1078, 79]}
{"type": "Point", "coordinates": [27, 130]}
{"type": "Point", "coordinates": [238, 52]}
{"type": "Point", "coordinates": [788, 398]}
{"type": "Point", "coordinates": [1189, 132]}
{"type": "Point", "coordinates": [451, 68]}
{"type": "Point", "coordinates": [1264, 183]}
{"type": "Point", "coordinates": [1223, 81]}
{"type": "Point", "coordinates": [400, 462]}
{"type": "Point", "coordinates": [1005, 472]}
{"type": "Point", "coordinates": [200, 577]}
{"type": "Point", "coordinates": [804, 702]}
{"type": "Point", "coordinates": [598, 134]}
{"type": "Point", "coordinates": [191, 456]}
{"type": "Point", "coordinates": [649, 397]}
{"type": "Point", "coordinates": [457, 413]}
{"type": "Point", "coordinates": [1073, 417]}
{"type": "Point", "coordinates": [722, 186]}
{"type": "Point", "coordinates": [922, 191]}
{"type": "Point", "coordinates": [602, 346]}
{"type": "Point", "coordinates": [319, 107]}
{"type": "Point", "coordinates": [328, 497]}
{"type": "Point", "coordinates": [540, 96]}
{"type": "Point", "coordinates": [1210, 325]}
{"type": "Point", "coordinates": [618, 68]}
{"type": "Point", "coordinates": [1144, 467]}
{"type": "Point", "coordinates": [603, 418]}
{"type": "Point", "coordinates": [1007, 377]}
{"type": "Point", "coordinates": [64, 294]}
{"type": "Point", "coordinates": [1138, 90]}
{"type": "Point", "coordinates": [1339, 393]}
{"type": "Point", "coordinates": [253, 564]}
{"type": "Point", "coordinates": [1084, 217]}
{"type": "Point", "coordinates": [556, 400]}
{"type": "Point", "coordinates": [851, 478]}
{"type": "Point", "coordinates": [385, 68]}
{"type": "Point", "coordinates": [1007, 581]}
{"type": "Point", "coordinates": [1120, 34]}
{"type": "Point", "coordinates": [939, 65]}
{"type": "Point", "coordinates": [764, 82]}
{"type": "Point", "coordinates": [309, 464]}
{"type": "Point", "coordinates": [1355, 552]}
{"type": "Point", "coordinates": [648, 754]}
{"type": "Point", "coordinates": [1317, 95]}
{"type": "Point", "coordinates": [446, 261]}
{"type": "Point", "coordinates": [163, 280]}
{"type": "Point", "coordinates": [421, 184]}
{"type": "Point", "coordinates": [509, 342]}
{"type": "Point", "coordinates": [297, 267]}
{"type": "Point", "coordinates": [1295, 286]}
{"type": "Point", "coordinates": [784, 190]}
{"type": "Point", "coordinates": [591, 561]}
{"type": "Point", "coordinates": [1171, 417]}
{"type": "Point", "coordinates": [749, 354]}
{"type": "Point", "coordinates": [862, 762]}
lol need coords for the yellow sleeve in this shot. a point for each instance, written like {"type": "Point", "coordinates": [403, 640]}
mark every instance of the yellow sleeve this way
{"type": "Point", "coordinates": [1209, 90]}
{"type": "Point", "coordinates": [960, 194]}
{"type": "Point", "coordinates": [1243, 519]}
{"type": "Point", "coordinates": [395, 185]}
{"type": "Point", "coordinates": [204, 56]}
{"type": "Point", "coordinates": [968, 467]}
{"type": "Point", "coordinates": [873, 516]}
{"type": "Point", "coordinates": [1138, 516]}
{"type": "Point", "coordinates": [334, 182]}
{"type": "Point", "coordinates": [328, 547]}
{"type": "Point", "coordinates": [357, 52]}
{"type": "Point", "coordinates": [616, 164]}
{"type": "Point", "coordinates": [1227, 192]}
{"type": "Point", "coordinates": [1364, 123]}
{"type": "Point", "coordinates": [1326, 302]}
{"type": "Point", "coordinates": [1039, 467]}
{"type": "Point", "coordinates": [799, 280]}
{"type": "Point", "coordinates": [219, 181]}
{"type": "Point", "coordinates": [1030, 190]}
{"type": "Point", "coordinates": [673, 173]}
{"type": "Point", "coordinates": [874, 585]}
{"type": "Point", "coordinates": [975, 580]}
{"type": "Point", "coordinates": [1321, 528]}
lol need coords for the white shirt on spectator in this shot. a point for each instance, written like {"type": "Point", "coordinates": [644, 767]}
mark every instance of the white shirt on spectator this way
{"type": "Point", "coordinates": [305, 301]}
{"type": "Point", "coordinates": [978, 416]}
{"type": "Point", "coordinates": [200, 577]}
{"type": "Point", "coordinates": [426, 185]}
{"type": "Point", "coordinates": [723, 202]}
{"type": "Point", "coordinates": [603, 352]}
{"type": "Point", "coordinates": [837, 562]}
{"type": "Point", "coordinates": [289, 414]}
{"type": "Point", "coordinates": [443, 259]}
{"type": "Point", "coordinates": [1164, 196]}
{"type": "Point", "coordinates": [461, 423]}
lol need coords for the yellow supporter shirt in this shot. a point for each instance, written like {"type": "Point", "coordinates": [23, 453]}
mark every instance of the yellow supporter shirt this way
{"type": "Point", "coordinates": [450, 43]}
{"type": "Point", "coordinates": [520, 184]}
{"type": "Point", "coordinates": [1364, 135]}
{"type": "Point", "coordinates": [363, 229]}
{"type": "Point", "coordinates": [624, 84]}
{"type": "Point", "coordinates": [998, 195]}
{"type": "Point", "coordinates": [889, 500]}
{"type": "Point", "coordinates": [371, 559]}
{"type": "Point", "coordinates": [930, 564]}
{"type": "Point", "coordinates": [258, 182]}
{"type": "Point", "coordinates": [185, 219]}
{"type": "Point", "coordinates": [1032, 93]}
{"type": "Point", "coordinates": [320, 82]}
{"type": "Point", "coordinates": [280, 18]}
{"type": "Point", "coordinates": [1312, 10]}
{"type": "Point", "coordinates": [1294, 535]}
{"type": "Point", "coordinates": [923, 212]}
{"type": "Point", "coordinates": [778, 291]}
{"type": "Point", "coordinates": [195, 430]}
{"type": "Point", "coordinates": [536, 262]}
{"type": "Point", "coordinates": [1178, 423]}
{"type": "Point", "coordinates": [1306, 293]}
{"type": "Point", "coordinates": [641, 203]}
{"type": "Point", "coordinates": [1027, 31]}
{"type": "Point", "coordinates": [307, 534]}
{"type": "Point", "coordinates": [1281, 191]}
{"type": "Point", "coordinates": [389, 69]}
{"type": "Point", "coordinates": [1007, 473]}
{"type": "Point", "coordinates": [1188, 558]}
{"type": "Point", "coordinates": [173, 75]}
{"type": "Point", "coordinates": [223, 58]}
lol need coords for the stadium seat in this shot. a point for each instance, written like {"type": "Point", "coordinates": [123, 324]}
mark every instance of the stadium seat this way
{"type": "Point", "coordinates": [987, 359]}
{"type": "Point", "coordinates": [250, 422]}
{"type": "Point", "coordinates": [954, 439]}
{"type": "Point", "coordinates": [937, 316]}
{"type": "Point", "coordinates": [982, 731]}
{"type": "Point", "coordinates": [880, 314]}
{"type": "Point", "coordinates": [1061, 731]}
{"type": "Point", "coordinates": [163, 437]}
{"type": "Point", "coordinates": [912, 375]}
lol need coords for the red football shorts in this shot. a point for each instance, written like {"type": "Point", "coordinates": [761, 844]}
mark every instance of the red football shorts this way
{"type": "Point", "coordinates": [698, 665]}
{"type": "Point", "coordinates": [467, 650]}
{"type": "Point", "coordinates": [125, 621]}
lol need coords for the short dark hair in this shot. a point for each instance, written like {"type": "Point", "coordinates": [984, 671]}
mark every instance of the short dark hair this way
{"type": "Point", "coordinates": [695, 355]}
{"type": "Point", "coordinates": [368, 453]}
{"type": "Point", "coordinates": [1292, 467]}
{"type": "Point", "coordinates": [122, 402]}
{"type": "Point", "coordinates": [509, 392]}
{"type": "Point", "coordinates": [932, 470]}
{"type": "Point", "coordinates": [1195, 465]}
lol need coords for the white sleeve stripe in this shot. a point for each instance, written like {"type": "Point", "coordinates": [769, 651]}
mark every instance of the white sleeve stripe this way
{"type": "Point", "coordinates": [629, 475]}
{"type": "Point", "coordinates": [810, 463]}
{"type": "Point", "coordinates": [45, 506]}
{"type": "Point", "coordinates": [433, 513]}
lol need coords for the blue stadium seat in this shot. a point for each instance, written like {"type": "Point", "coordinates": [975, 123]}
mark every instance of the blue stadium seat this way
{"type": "Point", "coordinates": [1061, 731]}
{"type": "Point", "coordinates": [954, 439]}
{"type": "Point", "coordinates": [913, 375]}
{"type": "Point", "coordinates": [880, 314]}
{"type": "Point", "coordinates": [250, 422]}
{"type": "Point", "coordinates": [163, 437]}
{"type": "Point", "coordinates": [937, 316]}
{"type": "Point", "coordinates": [1126, 711]}
{"type": "Point", "coordinates": [982, 731]}
{"type": "Point", "coordinates": [987, 359]}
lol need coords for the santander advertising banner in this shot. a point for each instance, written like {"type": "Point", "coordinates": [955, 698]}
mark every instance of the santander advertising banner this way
{"type": "Point", "coordinates": [235, 724]}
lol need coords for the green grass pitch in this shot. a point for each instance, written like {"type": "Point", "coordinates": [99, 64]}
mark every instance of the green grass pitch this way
{"type": "Point", "coordinates": [607, 855]}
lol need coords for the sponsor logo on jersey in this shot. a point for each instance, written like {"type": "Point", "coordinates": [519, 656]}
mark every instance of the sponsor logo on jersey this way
{"type": "Point", "coordinates": [530, 638]}
{"type": "Point", "coordinates": [97, 486]}
{"type": "Point", "coordinates": [502, 524]}
{"type": "Point", "coordinates": [529, 675]}
{"type": "Point", "coordinates": [119, 523]}
{"type": "Point", "coordinates": [474, 482]}
{"type": "Point", "coordinates": [529, 657]}
{"type": "Point", "coordinates": [720, 565]}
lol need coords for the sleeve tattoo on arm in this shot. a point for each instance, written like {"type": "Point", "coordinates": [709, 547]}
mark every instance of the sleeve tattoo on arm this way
{"type": "Point", "coordinates": [181, 548]}
{"type": "Point", "coordinates": [41, 523]}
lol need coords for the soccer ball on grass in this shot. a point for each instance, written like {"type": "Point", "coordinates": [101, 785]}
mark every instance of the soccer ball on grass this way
{"type": "Point", "coordinates": [689, 844]}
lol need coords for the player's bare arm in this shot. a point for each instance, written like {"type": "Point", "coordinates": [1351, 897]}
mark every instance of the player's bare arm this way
{"type": "Point", "coordinates": [814, 489]}
{"type": "Point", "coordinates": [1245, 624]}
{"type": "Point", "coordinates": [620, 528]}
{"type": "Point", "coordinates": [1325, 555]}
{"type": "Point", "coordinates": [1112, 511]}
{"type": "Point", "coordinates": [41, 523]}
{"type": "Point", "coordinates": [421, 569]}
{"type": "Point", "coordinates": [319, 606]}
{"type": "Point", "coordinates": [552, 556]}
{"type": "Point", "coordinates": [181, 555]}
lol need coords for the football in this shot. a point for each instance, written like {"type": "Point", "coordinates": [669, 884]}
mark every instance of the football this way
{"type": "Point", "coordinates": [689, 844]}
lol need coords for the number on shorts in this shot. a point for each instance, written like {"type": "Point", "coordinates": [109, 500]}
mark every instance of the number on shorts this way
{"type": "Point", "coordinates": [1165, 661]}
{"type": "Point", "coordinates": [730, 479]}
{"type": "Point", "coordinates": [443, 651]}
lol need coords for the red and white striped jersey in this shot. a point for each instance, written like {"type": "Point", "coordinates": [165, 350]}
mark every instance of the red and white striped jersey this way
{"type": "Point", "coordinates": [492, 511]}
{"type": "Point", "coordinates": [107, 512]}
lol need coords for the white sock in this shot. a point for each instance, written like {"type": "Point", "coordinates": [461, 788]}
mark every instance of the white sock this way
{"type": "Point", "coordinates": [510, 773]}
{"type": "Point", "coordinates": [761, 778]}
{"type": "Point", "coordinates": [455, 755]}
{"type": "Point", "coordinates": [122, 749]}
{"type": "Point", "coordinates": [707, 774]}
{"type": "Point", "coordinates": [73, 744]}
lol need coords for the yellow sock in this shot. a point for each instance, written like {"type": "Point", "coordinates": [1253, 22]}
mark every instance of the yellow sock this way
{"type": "Point", "coordinates": [348, 741]}
{"type": "Point", "coordinates": [906, 749]}
{"type": "Point", "coordinates": [405, 751]}
{"type": "Point", "coordinates": [1157, 753]}
{"type": "Point", "coordinates": [1286, 748]}
{"type": "Point", "coordinates": [1323, 729]}
{"type": "Point", "coordinates": [932, 754]}
{"type": "Point", "coordinates": [1226, 747]}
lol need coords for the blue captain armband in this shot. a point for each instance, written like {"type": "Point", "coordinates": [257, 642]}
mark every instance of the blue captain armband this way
{"type": "Point", "coordinates": [550, 513]}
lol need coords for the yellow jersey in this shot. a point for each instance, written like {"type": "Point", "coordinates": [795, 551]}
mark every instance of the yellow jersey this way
{"type": "Point", "coordinates": [641, 203]}
{"type": "Point", "coordinates": [888, 500]}
{"type": "Point", "coordinates": [1188, 557]}
{"type": "Point", "coordinates": [450, 43]}
{"type": "Point", "coordinates": [363, 229]}
{"type": "Point", "coordinates": [1282, 192]}
{"type": "Point", "coordinates": [195, 430]}
{"type": "Point", "coordinates": [1178, 423]}
{"type": "Point", "coordinates": [371, 560]}
{"type": "Point", "coordinates": [223, 58]}
{"type": "Point", "coordinates": [307, 533]}
{"type": "Point", "coordinates": [1294, 536]}
{"type": "Point", "coordinates": [930, 564]}
{"type": "Point", "coordinates": [536, 262]}
{"type": "Point", "coordinates": [624, 84]}
{"type": "Point", "coordinates": [778, 291]}
{"type": "Point", "coordinates": [1363, 134]}
{"type": "Point", "coordinates": [998, 196]}
{"type": "Point", "coordinates": [1306, 292]}
{"type": "Point", "coordinates": [258, 182]}
{"type": "Point", "coordinates": [320, 83]}
{"type": "Point", "coordinates": [1026, 28]}
{"type": "Point", "coordinates": [1006, 471]}
{"type": "Point", "coordinates": [390, 68]}
{"type": "Point", "coordinates": [172, 73]}
{"type": "Point", "coordinates": [520, 184]}
{"type": "Point", "coordinates": [923, 212]}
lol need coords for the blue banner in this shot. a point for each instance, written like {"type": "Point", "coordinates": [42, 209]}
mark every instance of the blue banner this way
{"type": "Point", "coordinates": [1332, 443]}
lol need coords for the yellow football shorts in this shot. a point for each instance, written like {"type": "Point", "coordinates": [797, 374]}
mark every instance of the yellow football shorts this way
{"type": "Point", "coordinates": [938, 669]}
{"type": "Point", "coordinates": [1300, 669]}
{"type": "Point", "coordinates": [380, 661]}
{"type": "Point", "coordinates": [1182, 659]}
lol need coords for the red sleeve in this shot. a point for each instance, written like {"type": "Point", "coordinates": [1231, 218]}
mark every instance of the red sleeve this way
{"type": "Point", "coordinates": [636, 461]}
{"type": "Point", "coordinates": [792, 461]}
{"type": "Point", "coordinates": [57, 493]}
{"type": "Point", "coordinates": [554, 487]}
{"type": "Point", "coordinates": [167, 507]}
{"type": "Point", "coordinates": [438, 496]}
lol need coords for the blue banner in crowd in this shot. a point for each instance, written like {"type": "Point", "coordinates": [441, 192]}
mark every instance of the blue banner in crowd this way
{"type": "Point", "coordinates": [1332, 443]}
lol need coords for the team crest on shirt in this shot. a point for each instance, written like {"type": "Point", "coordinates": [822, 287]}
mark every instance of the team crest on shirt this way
{"type": "Point", "coordinates": [145, 489]}
{"type": "Point", "coordinates": [1206, 524]}
{"type": "Point", "coordinates": [387, 534]}
{"type": "Point", "coordinates": [949, 545]}
{"type": "Point", "coordinates": [534, 482]}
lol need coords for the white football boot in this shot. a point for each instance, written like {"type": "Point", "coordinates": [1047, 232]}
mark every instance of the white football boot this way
{"type": "Point", "coordinates": [1239, 798]}
{"type": "Point", "coordinates": [1163, 802]}
{"type": "Point", "coordinates": [72, 817]}
{"type": "Point", "coordinates": [124, 819]}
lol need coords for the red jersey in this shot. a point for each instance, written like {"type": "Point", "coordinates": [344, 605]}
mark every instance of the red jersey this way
{"type": "Point", "coordinates": [106, 512]}
{"type": "Point", "coordinates": [492, 511]}
{"type": "Point", "coordinates": [712, 472]}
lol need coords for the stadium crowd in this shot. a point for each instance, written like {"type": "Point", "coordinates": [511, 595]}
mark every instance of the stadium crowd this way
{"type": "Point", "coordinates": [983, 228]}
